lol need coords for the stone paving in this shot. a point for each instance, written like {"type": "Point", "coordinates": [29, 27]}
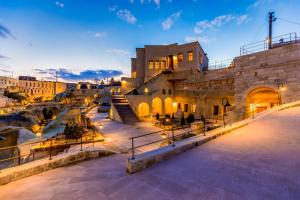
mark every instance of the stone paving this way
{"type": "Point", "coordinates": [258, 161]}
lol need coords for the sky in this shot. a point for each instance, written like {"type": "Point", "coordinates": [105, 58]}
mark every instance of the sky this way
{"type": "Point", "coordinates": [94, 39]}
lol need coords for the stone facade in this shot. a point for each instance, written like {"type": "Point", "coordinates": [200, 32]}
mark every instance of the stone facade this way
{"type": "Point", "coordinates": [41, 89]}
{"type": "Point", "coordinates": [263, 80]}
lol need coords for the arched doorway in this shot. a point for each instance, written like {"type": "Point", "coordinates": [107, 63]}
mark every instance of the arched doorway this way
{"type": "Point", "coordinates": [157, 105]}
{"type": "Point", "coordinates": [168, 106]}
{"type": "Point", "coordinates": [143, 110]}
{"type": "Point", "coordinates": [261, 99]}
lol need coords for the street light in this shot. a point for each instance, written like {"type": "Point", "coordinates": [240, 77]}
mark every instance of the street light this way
{"type": "Point", "coordinates": [281, 88]}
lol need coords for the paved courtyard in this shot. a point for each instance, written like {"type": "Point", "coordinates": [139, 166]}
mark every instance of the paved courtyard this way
{"type": "Point", "coordinates": [258, 161]}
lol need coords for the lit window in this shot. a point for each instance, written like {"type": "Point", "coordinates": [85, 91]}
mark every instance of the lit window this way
{"type": "Point", "coordinates": [190, 56]}
{"type": "Point", "coordinates": [163, 64]}
{"type": "Point", "coordinates": [150, 66]}
{"type": "Point", "coordinates": [146, 90]}
{"type": "Point", "coordinates": [200, 58]}
{"type": "Point", "coordinates": [180, 57]}
{"type": "Point", "coordinates": [194, 108]}
{"type": "Point", "coordinates": [157, 64]}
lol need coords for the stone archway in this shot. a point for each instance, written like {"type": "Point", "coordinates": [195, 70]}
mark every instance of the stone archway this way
{"type": "Point", "coordinates": [169, 106]}
{"type": "Point", "coordinates": [143, 110]}
{"type": "Point", "coordinates": [262, 98]}
{"type": "Point", "coordinates": [157, 105]}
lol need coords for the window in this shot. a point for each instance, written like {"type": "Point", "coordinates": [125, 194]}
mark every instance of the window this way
{"type": "Point", "coordinates": [170, 91]}
{"type": "Point", "coordinates": [180, 57]}
{"type": "Point", "coordinates": [179, 106]}
{"type": "Point", "coordinates": [200, 58]}
{"type": "Point", "coordinates": [190, 56]}
{"type": "Point", "coordinates": [163, 64]}
{"type": "Point", "coordinates": [156, 64]}
{"type": "Point", "coordinates": [186, 107]}
{"type": "Point", "coordinates": [146, 90]}
{"type": "Point", "coordinates": [163, 91]}
{"type": "Point", "coordinates": [150, 65]}
{"type": "Point", "coordinates": [216, 110]}
{"type": "Point", "coordinates": [194, 108]}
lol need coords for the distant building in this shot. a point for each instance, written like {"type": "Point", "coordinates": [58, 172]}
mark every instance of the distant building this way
{"type": "Point", "coordinates": [6, 82]}
{"type": "Point", "coordinates": [41, 89]}
{"type": "Point", "coordinates": [27, 78]}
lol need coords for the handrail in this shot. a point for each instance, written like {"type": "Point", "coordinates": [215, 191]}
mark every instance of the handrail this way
{"type": "Point", "coordinates": [151, 133]}
{"type": "Point", "coordinates": [52, 146]}
{"type": "Point", "coordinates": [245, 115]}
{"type": "Point", "coordinates": [262, 45]}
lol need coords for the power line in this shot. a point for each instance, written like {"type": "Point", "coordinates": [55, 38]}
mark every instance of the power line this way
{"type": "Point", "coordinates": [289, 21]}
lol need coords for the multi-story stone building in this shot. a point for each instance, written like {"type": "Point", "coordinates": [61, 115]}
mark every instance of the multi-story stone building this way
{"type": "Point", "coordinates": [6, 82]}
{"type": "Point", "coordinates": [41, 89]}
{"type": "Point", "coordinates": [172, 78]}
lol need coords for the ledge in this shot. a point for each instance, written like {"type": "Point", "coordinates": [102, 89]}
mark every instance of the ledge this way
{"type": "Point", "coordinates": [12, 174]}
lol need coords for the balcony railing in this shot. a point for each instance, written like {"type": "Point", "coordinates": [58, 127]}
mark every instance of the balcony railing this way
{"type": "Point", "coordinates": [221, 64]}
{"type": "Point", "coordinates": [277, 41]}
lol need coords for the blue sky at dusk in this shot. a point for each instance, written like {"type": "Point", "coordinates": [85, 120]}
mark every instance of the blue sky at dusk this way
{"type": "Point", "coordinates": [85, 38]}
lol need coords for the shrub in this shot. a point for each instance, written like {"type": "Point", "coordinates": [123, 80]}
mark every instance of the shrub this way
{"type": "Point", "coordinates": [73, 131]}
{"type": "Point", "coordinates": [182, 121]}
{"type": "Point", "coordinates": [190, 118]}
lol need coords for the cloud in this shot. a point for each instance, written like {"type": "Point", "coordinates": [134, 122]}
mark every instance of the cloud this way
{"type": "Point", "coordinates": [189, 39]}
{"type": "Point", "coordinates": [5, 32]}
{"type": "Point", "coordinates": [113, 8]}
{"type": "Point", "coordinates": [3, 57]}
{"type": "Point", "coordinates": [118, 52]}
{"type": "Point", "coordinates": [126, 16]}
{"type": "Point", "coordinates": [242, 19]}
{"type": "Point", "coordinates": [259, 3]}
{"type": "Point", "coordinates": [81, 76]}
{"type": "Point", "coordinates": [60, 4]}
{"type": "Point", "coordinates": [218, 22]}
{"type": "Point", "coordinates": [100, 34]}
{"type": "Point", "coordinates": [157, 2]}
{"type": "Point", "coordinates": [168, 23]}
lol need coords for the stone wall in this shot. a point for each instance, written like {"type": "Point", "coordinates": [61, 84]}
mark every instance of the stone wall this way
{"type": "Point", "coordinates": [267, 69]}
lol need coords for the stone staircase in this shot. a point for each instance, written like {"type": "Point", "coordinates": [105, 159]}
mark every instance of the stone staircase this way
{"type": "Point", "coordinates": [124, 110]}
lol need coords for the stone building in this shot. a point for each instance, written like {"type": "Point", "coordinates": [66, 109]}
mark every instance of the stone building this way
{"type": "Point", "coordinates": [6, 82]}
{"type": "Point", "coordinates": [41, 89]}
{"type": "Point", "coordinates": [172, 78]}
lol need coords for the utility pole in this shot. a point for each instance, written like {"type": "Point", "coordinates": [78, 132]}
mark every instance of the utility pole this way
{"type": "Point", "coordinates": [271, 20]}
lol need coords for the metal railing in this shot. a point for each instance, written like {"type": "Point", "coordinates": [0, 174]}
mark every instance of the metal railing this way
{"type": "Point", "coordinates": [277, 41]}
{"type": "Point", "coordinates": [13, 156]}
{"type": "Point", "coordinates": [221, 64]}
{"type": "Point", "coordinates": [170, 135]}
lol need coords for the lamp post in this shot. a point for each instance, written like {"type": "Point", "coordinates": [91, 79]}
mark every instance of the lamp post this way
{"type": "Point", "coordinates": [225, 104]}
{"type": "Point", "coordinates": [281, 88]}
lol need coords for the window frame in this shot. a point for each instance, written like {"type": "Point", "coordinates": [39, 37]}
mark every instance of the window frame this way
{"type": "Point", "coordinates": [190, 56]}
{"type": "Point", "coordinates": [180, 57]}
{"type": "Point", "coordinates": [150, 64]}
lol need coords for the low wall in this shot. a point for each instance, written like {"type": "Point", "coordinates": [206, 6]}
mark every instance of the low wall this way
{"type": "Point", "coordinates": [39, 166]}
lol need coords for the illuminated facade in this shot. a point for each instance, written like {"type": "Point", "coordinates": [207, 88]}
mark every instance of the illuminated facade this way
{"type": "Point", "coordinates": [41, 89]}
{"type": "Point", "coordinates": [176, 79]}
